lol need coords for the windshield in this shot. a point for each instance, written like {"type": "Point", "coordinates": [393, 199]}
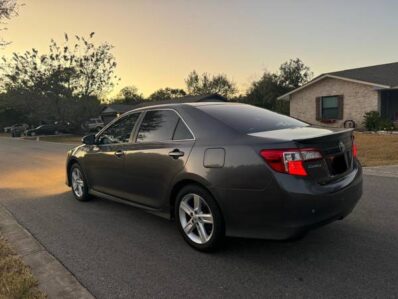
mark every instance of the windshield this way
{"type": "Point", "coordinates": [250, 119]}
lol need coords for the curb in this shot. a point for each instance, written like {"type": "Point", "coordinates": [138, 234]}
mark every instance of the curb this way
{"type": "Point", "coordinates": [54, 279]}
{"type": "Point", "coordinates": [390, 171]}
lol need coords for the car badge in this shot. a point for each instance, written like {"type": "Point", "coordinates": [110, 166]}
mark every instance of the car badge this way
{"type": "Point", "coordinates": [341, 146]}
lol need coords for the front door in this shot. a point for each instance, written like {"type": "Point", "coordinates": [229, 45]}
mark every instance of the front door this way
{"type": "Point", "coordinates": [105, 160]}
{"type": "Point", "coordinates": [162, 146]}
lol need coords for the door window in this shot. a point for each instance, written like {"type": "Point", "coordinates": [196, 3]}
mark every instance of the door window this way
{"type": "Point", "coordinates": [120, 131]}
{"type": "Point", "coordinates": [158, 125]}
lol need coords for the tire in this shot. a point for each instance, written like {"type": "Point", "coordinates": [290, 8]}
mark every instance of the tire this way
{"type": "Point", "coordinates": [33, 134]}
{"type": "Point", "coordinates": [206, 232]}
{"type": "Point", "coordinates": [78, 183]}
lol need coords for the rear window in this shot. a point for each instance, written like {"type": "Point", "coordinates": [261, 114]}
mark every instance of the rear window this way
{"type": "Point", "coordinates": [250, 119]}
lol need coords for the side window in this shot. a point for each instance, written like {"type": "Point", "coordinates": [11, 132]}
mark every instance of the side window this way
{"type": "Point", "coordinates": [182, 132]}
{"type": "Point", "coordinates": [157, 125]}
{"type": "Point", "coordinates": [120, 131]}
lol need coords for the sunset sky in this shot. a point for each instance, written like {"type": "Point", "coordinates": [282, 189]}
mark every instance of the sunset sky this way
{"type": "Point", "coordinates": [157, 43]}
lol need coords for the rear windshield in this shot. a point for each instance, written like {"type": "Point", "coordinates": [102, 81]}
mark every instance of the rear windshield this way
{"type": "Point", "coordinates": [250, 119]}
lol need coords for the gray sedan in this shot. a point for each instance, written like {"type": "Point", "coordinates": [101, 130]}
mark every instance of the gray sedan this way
{"type": "Point", "coordinates": [221, 169]}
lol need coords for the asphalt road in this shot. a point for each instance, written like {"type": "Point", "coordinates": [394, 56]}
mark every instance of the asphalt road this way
{"type": "Point", "coordinates": [118, 251]}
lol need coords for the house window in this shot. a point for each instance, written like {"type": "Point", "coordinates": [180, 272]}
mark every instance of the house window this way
{"type": "Point", "coordinates": [330, 107]}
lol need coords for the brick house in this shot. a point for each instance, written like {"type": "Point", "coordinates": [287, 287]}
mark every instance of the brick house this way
{"type": "Point", "coordinates": [333, 99]}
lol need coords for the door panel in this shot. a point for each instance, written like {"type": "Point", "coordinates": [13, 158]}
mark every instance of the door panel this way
{"type": "Point", "coordinates": [105, 161]}
{"type": "Point", "coordinates": [149, 170]}
{"type": "Point", "coordinates": [155, 159]}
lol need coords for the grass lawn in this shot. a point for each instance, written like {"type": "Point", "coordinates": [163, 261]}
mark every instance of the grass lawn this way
{"type": "Point", "coordinates": [16, 280]}
{"type": "Point", "coordinates": [376, 150]}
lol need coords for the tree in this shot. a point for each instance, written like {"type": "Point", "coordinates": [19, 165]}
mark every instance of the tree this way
{"type": "Point", "coordinates": [63, 84]}
{"type": "Point", "coordinates": [207, 84]}
{"type": "Point", "coordinates": [294, 73]}
{"type": "Point", "coordinates": [129, 95]}
{"type": "Point", "coordinates": [94, 66]}
{"type": "Point", "coordinates": [90, 68]}
{"type": "Point", "coordinates": [265, 92]}
{"type": "Point", "coordinates": [166, 94]}
{"type": "Point", "coordinates": [8, 9]}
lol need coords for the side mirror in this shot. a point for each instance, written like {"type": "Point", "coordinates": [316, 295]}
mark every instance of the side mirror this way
{"type": "Point", "coordinates": [89, 139]}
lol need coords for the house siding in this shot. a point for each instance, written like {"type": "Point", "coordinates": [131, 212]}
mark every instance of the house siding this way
{"type": "Point", "coordinates": [358, 99]}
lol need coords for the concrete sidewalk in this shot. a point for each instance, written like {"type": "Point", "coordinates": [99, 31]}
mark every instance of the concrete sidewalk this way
{"type": "Point", "coordinates": [385, 171]}
{"type": "Point", "coordinates": [54, 279]}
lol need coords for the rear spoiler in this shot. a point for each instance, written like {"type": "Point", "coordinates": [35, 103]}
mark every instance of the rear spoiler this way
{"type": "Point", "coordinates": [337, 132]}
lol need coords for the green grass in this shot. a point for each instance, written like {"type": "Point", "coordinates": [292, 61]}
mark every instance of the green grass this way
{"type": "Point", "coordinates": [16, 279]}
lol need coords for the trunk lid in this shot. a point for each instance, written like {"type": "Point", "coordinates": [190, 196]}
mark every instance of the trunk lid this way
{"type": "Point", "coordinates": [335, 145]}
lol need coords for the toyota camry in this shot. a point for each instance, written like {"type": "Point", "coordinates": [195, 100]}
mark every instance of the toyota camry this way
{"type": "Point", "coordinates": [221, 169]}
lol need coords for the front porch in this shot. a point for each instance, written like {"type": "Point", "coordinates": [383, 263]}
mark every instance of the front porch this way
{"type": "Point", "coordinates": [388, 107]}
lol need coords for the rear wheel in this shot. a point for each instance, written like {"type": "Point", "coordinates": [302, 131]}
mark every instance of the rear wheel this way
{"type": "Point", "coordinates": [79, 183]}
{"type": "Point", "coordinates": [199, 219]}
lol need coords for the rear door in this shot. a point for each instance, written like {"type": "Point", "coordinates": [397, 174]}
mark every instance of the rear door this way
{"type": "Point", "coordinates": [105, 161]}
{"type": "Point", "coordinates": [162, 145]}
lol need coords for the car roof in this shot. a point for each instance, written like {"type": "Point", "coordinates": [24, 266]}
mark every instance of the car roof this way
{"type": "Point", "coordinates": [175, 105]}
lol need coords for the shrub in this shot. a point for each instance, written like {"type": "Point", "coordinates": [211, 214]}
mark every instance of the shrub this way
{"type": "Point", "coordinates": [374, 122]}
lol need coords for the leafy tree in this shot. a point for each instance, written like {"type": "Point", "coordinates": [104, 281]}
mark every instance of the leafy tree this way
{"type": "Point", "coordinates": [270, 86]}
{"type": "Point", "coordinates": [206, 84]}
{"type": "Point", "coordinates": [63, 84]}
{"type": "Point", "coordinates": [129, 95]}
{"type": "Point", "coordinates": [166, 94]}
{"type": "Point", "coordinates": [8, 9]}
{"type": "Point", "coordinates": [294, 73]}
{"type": "Point", "coordinates": [89, 68]}
{"type": "Point", "coordinates": [264, 92]}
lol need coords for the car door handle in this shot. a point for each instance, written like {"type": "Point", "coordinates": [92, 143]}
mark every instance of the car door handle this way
{"type": "Point", "coordinates": [119, 154]}
{"type": "Point", "coordinates": [176, 153]}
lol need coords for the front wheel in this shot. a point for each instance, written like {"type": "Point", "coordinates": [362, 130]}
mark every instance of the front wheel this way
{"type": "Point", "coordinates": [199, 218]}
{"type": "Point", "coordinates": [79, 183]}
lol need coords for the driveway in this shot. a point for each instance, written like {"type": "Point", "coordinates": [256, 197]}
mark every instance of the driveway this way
{"type": "Point", "coordinates": [117, 251]}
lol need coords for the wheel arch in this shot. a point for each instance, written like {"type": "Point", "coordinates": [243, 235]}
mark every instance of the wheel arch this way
{"type": "Point", "coordinates": [198, 181]}
{"type": "Point", "coordinates": [68, 167]}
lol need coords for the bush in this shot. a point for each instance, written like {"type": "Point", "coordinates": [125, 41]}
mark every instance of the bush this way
{"type": "Point", "coordinates": [374, 122]}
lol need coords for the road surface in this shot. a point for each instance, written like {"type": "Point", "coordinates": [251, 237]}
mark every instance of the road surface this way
{"type": "Point", "coordinates": [118, 251]}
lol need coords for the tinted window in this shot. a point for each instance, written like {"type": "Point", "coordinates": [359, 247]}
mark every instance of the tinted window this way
{"type": "Point", "coordinates": [250, 119]}
{"type": "Point", "coordinates": [182, 132]}
{"type": "Point", "coordinates": [120, 131]}
{"type": "Point", "coordinates": [330, 107]}
{"type": "Point", "coordinates": [157, 125]}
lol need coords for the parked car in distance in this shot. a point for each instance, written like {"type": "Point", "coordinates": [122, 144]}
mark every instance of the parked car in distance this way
{"type": "Point", "coordinates": [42, 130]}
{"type": "Point", "coordinates": [93, 125]}
{"type": "Point", "coordinates": [65, 127]}
{"type": "Point", "coordinates": [16, 130]}
{"type": "Point", "coordinates": [7, 129]}
{"type": "Point", "coordinates": [221, 169]}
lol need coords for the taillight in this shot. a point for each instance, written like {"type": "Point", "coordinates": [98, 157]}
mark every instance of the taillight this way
{"type": "Point", "coordinates": [354, 147]}
{"type": "Point", "coordinates": [290, 161]}
{"type": "Point", "coordinates": [354, 150]}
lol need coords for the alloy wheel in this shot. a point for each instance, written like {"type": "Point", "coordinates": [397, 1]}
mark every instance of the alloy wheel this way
{"type": "Point", "coordinates": [196, 218]}
{"type": "Point", "coordinates": [77, 182]}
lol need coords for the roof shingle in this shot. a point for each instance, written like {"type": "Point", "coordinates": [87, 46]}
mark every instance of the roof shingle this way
{"type": "Point", "coordinates": [384, 74]}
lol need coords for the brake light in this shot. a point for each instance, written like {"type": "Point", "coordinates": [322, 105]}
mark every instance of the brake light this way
{"type": "Point", "coordinates": [354, 150]}
{"type": "Point", "coordinates": [354, 147]}
{"type": "Point", "coordinates": [290, 161]}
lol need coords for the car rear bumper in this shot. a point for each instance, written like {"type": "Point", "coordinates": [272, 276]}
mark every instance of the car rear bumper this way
{"type": "Point", "coordinates": [283, 211]}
